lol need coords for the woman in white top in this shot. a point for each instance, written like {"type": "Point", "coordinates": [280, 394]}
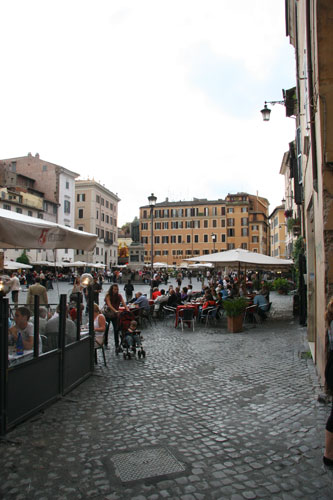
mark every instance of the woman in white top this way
{"type": "Point", "coordinates": [99, 324]}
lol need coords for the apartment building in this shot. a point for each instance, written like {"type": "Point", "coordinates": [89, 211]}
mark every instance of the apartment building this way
{"type": "Point", "coordinates": [278, 233]}
{"type": "Point", "coordinates": [96, 211]}
{"type": "Point", "coordinates": [187, 229]}
{"type": "Point", "coordinates": [58, 188]}
{"type": "Point", "coordinates": [18, 194]}
{"type": "Point", "coordinates": [309, 26]}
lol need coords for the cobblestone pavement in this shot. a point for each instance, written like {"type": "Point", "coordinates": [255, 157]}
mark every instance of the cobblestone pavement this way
{"type": "Point", "coordinates": [206, 415]}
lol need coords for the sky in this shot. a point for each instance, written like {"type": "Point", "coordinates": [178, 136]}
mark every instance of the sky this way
{"type": "Point", "coordinates": [149, 96]}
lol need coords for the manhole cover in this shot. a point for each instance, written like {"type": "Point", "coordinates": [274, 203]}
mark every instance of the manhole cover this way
{"type": "Point", "coordinates": [146, 463]}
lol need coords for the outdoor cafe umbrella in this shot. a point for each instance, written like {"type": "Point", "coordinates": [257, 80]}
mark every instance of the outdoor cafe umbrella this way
{"type": "Point", "coordinates": [10, 264]}
{"type": "Point", "coordinates": [251, 260]}
{"type": "Point", "coordinates": [160, 264]}
{"type": "Point", "coordinates": [22, 231]}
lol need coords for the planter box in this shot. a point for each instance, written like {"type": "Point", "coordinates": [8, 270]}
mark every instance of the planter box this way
{"type": "Point", "coordinates": [235, 323]}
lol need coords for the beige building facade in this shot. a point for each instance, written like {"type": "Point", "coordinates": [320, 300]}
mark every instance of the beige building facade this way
{"type": "Point", "coordinates": [278, 233]}
{"type": "Point", "coordinates": [199, 227]}
{"type": "Point", "coordinates": [310, 30]}
{"type": "Point", "coordinates": [96, 211]}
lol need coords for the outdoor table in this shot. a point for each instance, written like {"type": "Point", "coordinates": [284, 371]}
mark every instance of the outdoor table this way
{"type": "Point", "coordinates": [185, 306]}
{"type": "Point", "coordinates": [15, 359]}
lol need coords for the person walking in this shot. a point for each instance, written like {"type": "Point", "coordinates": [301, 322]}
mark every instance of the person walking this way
{"type": "Point", "coordinates": [37, 289]}
{"type": "Point", "coordinates": [113, 300]}
{"type": "Point", "coordinates": [129, 289]}
{"type": "Point", "coordinates": [15, 288]}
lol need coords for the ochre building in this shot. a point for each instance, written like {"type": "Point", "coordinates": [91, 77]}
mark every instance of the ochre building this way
{"type": "Point", "coordinates": [187, 229]}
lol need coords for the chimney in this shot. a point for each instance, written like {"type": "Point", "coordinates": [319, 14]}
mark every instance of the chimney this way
{"type": "Point", "coordinates": [166, 199]}
{"type": "Point", "coordinates": [37, 155]}
{"type": "Point", "coordinates": [29, 154]}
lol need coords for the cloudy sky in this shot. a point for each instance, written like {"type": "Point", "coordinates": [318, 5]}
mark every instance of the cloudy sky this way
{"type": "Point", "coordinates": [145, 96]}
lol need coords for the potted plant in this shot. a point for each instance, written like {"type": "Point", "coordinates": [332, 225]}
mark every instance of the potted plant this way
{"type": "Point", "coordinates": [281, 285]}
{"type": "Point", "coordinates": [234, 309]}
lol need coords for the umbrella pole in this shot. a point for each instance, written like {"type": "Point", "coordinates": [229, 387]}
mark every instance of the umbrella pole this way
{"type": "Point", "coordinates": [56, 271]}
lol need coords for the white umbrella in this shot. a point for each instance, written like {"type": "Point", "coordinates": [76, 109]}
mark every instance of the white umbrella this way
{"type": "Point", "coordinates": [160, 264]}
{"type": "Point", "coordinates": [22, 231]}
{"type": "Point", "coordinates": [239, 256]}
{"type": "Point", "coordinates": [10, 264]}
{"type": "Point", "coordinates": [77, 263]}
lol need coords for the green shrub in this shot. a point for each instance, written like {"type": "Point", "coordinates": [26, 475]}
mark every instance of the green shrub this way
{"type": "Point", "coordinates": [281, 284]}
{"type": "Point", "coordinates": [235, 307]}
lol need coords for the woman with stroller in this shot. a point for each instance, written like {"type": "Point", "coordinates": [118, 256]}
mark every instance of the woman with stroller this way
{"type": "Point", "coordinates": [113, 300]}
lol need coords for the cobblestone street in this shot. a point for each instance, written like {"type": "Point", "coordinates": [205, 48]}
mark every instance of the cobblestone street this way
{"type": "Point", "coordinates": [206, 415]}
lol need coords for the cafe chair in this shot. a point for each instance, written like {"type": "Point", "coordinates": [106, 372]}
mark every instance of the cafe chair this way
{"type": "Point", "coordinates": [99, 344]}
{"type": "Point", "coordinates": [211, 315]}
{"type": "Point", "coordinates": [187, 316]}
{"type": "Point", "coordinates": [169, 313]}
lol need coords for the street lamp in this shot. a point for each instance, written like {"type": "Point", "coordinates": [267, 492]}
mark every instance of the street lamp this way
{"type": "Point", "coordinates": [213, 240]}
{"type": "Point", "coordinates": [266, 112]}
{"type": "Point", "coordinates": [152, 202]}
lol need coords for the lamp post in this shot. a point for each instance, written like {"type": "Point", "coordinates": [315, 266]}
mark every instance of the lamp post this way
{"type": "Point", "coordinates": [152, 202]}
{"type": "Point", "coordinates": [266, 112]}
{"type": "Point", "coordinates": [213, 240]}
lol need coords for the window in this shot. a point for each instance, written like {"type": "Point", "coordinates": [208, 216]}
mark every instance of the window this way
{"type": "Point", "coordinates": [165, 239]}
{"type": "Point", "coordinates": [102, 233]}
{"type": "Point", "coordinates": [196, 238]}
{"type": "Point", "coordinates": [157, 225]}
{"type": "Point", "coordinates": [214, 211]}
{"type": "Point", "coordinates": [255, 228]}
{"type": "Point", "coordinates": [44, 168]}
{"type": "Point", "coordinates": [255, 239]}
{"type": "Point", "coordinates": [40, 216]}
{"type": "Point", "coordinates": [165, 252]}
{"type": "Point", "coordinates": [205, 223]}
{"type": "Point", "coordinates": [67, 185]}
{"type": "Point", "coordinates": [6, 207]}
{"type": "Point", "coordinates": [206, 211]}
{"type": "Point", "coordinates": [107, 219]}
{"type": "Point", "coordinates": [30, 213]}
{"type": "Point", "coordinates": [230, 210]}
{"type": "Point", "coordinates": [165, 225]}
{"type": "Point", "coordinates": [144, 216]}
{"type": "Point", "coordinates": [230, 222]}
{"type": "Point", "coordinates": [80, 197]}
{"type": "Point", "coordinates": [244, 246]}
{"type": "Point", "coordinates": [144, 240]}
{"type": "Point", "coordinates": [102, 202]}
{"type": "Point", "coordinates": [96, 214]}
{"type": "Point", "coordinates": [205, 238]}
{"type": "Point", "coordinates": [67, 207]}
{"type": "Point", "coordinates": [223, 238]}
{"type": "Point", "coordinates": [97, 251]}
{"type": "Point", "coordinates": [231, 246]}
{"type": "Point", "coordinates": [172, 239]}
{"type": "Point", "coordinates": [106, 204]}
{"type": "Point", "coordinates": [244, 209]}
{"type": "Point", "coordinates": [188, 252]}
{"type": "Point", "coordinates": [97, 199]}
{"type": "Point", "coordinates": [188, 224]}
{"type": "Point", "coordinates": [222, 222]}
{"type": "Point", "coordinates": [244, 221]}
{"type": "Point", "coordinates": [245, 231]}
{"type": "Point", "coordinates": [231, 232]}
{"type": "Point", "coordinates": [80, 228]}
{"type": "Point", "coordinates": [222, 210]}
{"type": "Point", "coordinates": [196, 224]}
{"type": "Point", "coordinates": [214, 223]}
{"type": "Point", "coordinates": [80, 214]}
{"type": "Point", "coordinates": [144, 226]}
{"type": "Point", "coordinates": [188, 238]}
{"type": "Point", "coordinates": [158, 252]}
{"type": "Point", "coordinates": [180, 238]}
{"type": "Point", "coordinates": [19, 210]}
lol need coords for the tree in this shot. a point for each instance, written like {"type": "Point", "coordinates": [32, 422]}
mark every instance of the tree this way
{"type": "Point", "coordinates": [23, 258]}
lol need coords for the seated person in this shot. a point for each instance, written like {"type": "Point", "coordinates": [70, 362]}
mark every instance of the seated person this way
{"type": "Point", "coordinates": [156, 293]}
{"type": "Point", "coordinates": [132, 336]}
{"type": "Point", "coordinates": [99, 325]}
{"type": "Point", "coordinates": [183, 295]}
{"type": "Point", "coordinates": [189, 292]}
{"type": "Point", "coordinates": [52, 327]}
{"type": "Point", "coordinates": [260, 301]}
{"type": "Point", "coordinates": [208, 302]}
{"type": "Point", "coordinates": [23, 326]}
{"type": "Point", "coordinates": [141, 301]}
{"type": "Point", "coordinates": [161, 299]}
{"type": "Point", "coordinates": [178, 295]}
{"type": "Point", "coordinates": [172, 298]}
{"type": "Point", "coordinates": [43, 317]}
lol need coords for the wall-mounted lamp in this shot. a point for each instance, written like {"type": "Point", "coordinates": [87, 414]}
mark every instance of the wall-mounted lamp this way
{"type": "Point", "coordinates": [266, 112]}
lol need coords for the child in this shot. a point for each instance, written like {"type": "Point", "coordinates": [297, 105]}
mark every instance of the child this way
{"type": "Point", "coordinates": [132, 336]}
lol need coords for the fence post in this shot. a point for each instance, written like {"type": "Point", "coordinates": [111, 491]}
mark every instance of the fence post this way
{"type": "Point", "coordinates": [61, 339]}
{"type": "Point", "coordinates": [3, 365]}
{"type": "Point", "coordinates": [36, 326]}
{"type": "Point", "coordinates": [91, 327]}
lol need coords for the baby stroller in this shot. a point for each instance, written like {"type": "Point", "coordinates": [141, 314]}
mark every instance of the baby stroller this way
{"type": "Point", "coordinates": [125, 319]}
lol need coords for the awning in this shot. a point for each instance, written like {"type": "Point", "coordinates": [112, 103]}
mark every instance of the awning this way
{"type": "Point", "coordinates": [22, 231]}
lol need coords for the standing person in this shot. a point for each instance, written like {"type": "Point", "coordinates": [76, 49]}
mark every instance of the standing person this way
{"type": "Point", "coordinates": [37, 289]}
{"type": "Point", "coordinates": [129, 289]}
{"type": "Point", "coordinates": [328, 453]}
{"type": "Point", "coordinates": [15, 287]}
{"type": "Point", "coordinates": [97, 288]}
{"type": "Point", "coordinates": [113, 299]}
